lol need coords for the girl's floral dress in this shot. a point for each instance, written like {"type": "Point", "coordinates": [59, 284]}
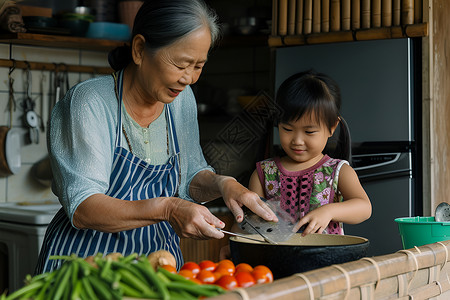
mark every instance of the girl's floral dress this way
{"type": "Point", "coordinates": [302, 191]}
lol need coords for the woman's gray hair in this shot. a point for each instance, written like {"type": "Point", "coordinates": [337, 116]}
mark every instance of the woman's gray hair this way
{"type": "Point", "coordinates": [164, 22]}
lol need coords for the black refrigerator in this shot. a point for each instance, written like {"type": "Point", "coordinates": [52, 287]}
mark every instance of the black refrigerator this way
{"type": "Point", "coordinates": [381, 103]}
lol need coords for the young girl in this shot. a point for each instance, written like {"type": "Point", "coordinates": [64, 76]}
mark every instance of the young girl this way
{"type": "Point", "coordinates": [318, 191]}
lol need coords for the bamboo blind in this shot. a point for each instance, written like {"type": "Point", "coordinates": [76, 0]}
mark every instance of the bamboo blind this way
{"type": "Point", "coordinates": [318, 21]}
{"type": "Point", "coordinates": [412, 274]}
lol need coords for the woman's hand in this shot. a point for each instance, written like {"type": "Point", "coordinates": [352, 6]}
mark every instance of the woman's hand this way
{"type": "Point", "coordinates": [316, 221]}
{"type": "Point", "coordinates": [236, 195]}
{"type": "Point", "coordinates": [190, 220]}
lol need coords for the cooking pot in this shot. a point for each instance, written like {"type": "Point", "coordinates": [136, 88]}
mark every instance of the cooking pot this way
{"type": "Point", "coordinates": [298, 254]}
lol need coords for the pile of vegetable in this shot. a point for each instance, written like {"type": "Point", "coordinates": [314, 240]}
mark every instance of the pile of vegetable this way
{"type": "Point", "coordinates": [113, 277]}
{"type": "Point", "coordinates": [224, 273]}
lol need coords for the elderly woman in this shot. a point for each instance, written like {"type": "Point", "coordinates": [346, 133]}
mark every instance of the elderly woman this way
{"type": "Point", "coordinates": [125, 152]}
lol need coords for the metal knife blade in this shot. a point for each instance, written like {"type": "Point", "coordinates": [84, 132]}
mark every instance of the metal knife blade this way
{"type": "Point", "coordinates": [239, 235]}
{"type": "Point", "coordinates": [270, 241]}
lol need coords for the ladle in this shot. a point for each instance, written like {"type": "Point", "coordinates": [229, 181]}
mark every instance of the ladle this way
{"type": "Point", "coordinates": [442, 213]}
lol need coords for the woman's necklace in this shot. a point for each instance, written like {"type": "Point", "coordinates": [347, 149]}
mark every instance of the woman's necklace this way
{"type": "Point", "coordinates": [129, 144]}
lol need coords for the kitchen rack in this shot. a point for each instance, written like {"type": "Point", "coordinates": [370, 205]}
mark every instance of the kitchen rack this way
{"type": "Point", "coordinates": [56, 41]}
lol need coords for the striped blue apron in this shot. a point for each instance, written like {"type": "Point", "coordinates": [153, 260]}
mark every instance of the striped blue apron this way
{"type": "Point", "coordinates": [131, 179]}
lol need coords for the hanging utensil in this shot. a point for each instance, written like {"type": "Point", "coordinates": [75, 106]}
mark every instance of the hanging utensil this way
{"type": "Point", "coordinates": [41, 92]}
{"type": "Point", "coordinates": [10, 159]}
{"type": "Point", "coordinates": [30, 117]}
{"type": "Point", "coordinates": [442, 213]}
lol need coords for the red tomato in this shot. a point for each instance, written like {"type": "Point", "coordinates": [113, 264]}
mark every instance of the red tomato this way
{"type": "Point", "coordinates": [226, 266]}
{"type": "Point", "coordinates": [260, 276]}
{"type": "Point", "coordinates": [196, 281]}
{"type": "Point", "coordinates": [265, 270]}
{"type": "Point", "coordinates": [243, 267]}
{"type": "Point", "coordinates": [207, 265]}
{"type": "Point", "coordinates": [228, 282]}
{"type": "Point", "coordinates": [206, 276]}
{"type": "Point", "coordinates": [245, 279]}
{"type": "Point", "coordinates": [218, 275]}
{"type": "Point", "coordinates": [170, 268]}
{"type": "Point", "coordinates": [192, 266]}
{"type": "Point", "coordinates": [186, 274]}
{"type": "Point", "coordinates": [224, 270]}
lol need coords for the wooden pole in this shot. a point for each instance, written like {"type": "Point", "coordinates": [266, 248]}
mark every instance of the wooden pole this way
{"type": "Point", "coordinates": [393, 32]}
{"type": "Point", "coordinates": [307, 17]}
{"type": "Point", "coordinates": [356, 16]}
{"type": "Point", "coordinates": [417, 11]}
{"type": "Point", "coordinates": [346, 13]}
{"type": "Point", "coordinates": [291, 17]}
{"type": "Point", "coordinates": [335, 18]}
{"type": "Point", "coordinates": [299, 17]}
{"type": "Point", "coordinates": [325, 15]}
{"type": "Point", "coordinates": [274, 17]}
{"type": "Point", "coordinates": [316, 22]}
{"type": "Point", "coordinates": [9, 63]}
{"type": "Point", "coordinates": [282, 17]}
{"type": "Point", "coordinates": [376, 13]}
{"type": "Point", "coordinates": [365, 13]}
{"type": "Point", "coordinates": [386, 13]}
{"type": "Point", "coordinates": [396, 12]}
{"type": "Point", "coordinates": [407, 12]}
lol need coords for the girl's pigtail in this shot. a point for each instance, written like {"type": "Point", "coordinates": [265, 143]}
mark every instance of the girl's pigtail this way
{"type": "Point", "coordinates": [344, 144]}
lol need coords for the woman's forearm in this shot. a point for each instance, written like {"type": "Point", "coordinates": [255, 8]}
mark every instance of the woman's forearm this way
{"type": "Point", "coordinates": [206, 186]}
{"type": "Point", "coordinates": [107, 214]}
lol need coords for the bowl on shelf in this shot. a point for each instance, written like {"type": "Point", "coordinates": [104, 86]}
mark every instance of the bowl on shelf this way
{"type": "Point", "coordinates": [77, 27]}
{"type": "Point", "coordinates": [109, 31]}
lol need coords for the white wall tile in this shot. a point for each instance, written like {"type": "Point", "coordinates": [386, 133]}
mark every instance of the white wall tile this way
{"type": "Point", "coordinates": [43, 54]}
{"type": "Point", "coordinates": [3, 189]}
{"type": "Point", "coordinates": [4, 51]}
{"type": "Point", "coordinates": [94, 58]}
{"type": "Point", "coordinates": [23, 187]}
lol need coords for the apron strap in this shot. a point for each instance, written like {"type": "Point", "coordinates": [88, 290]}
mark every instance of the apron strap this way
{"type": "Point", "coordinates": [118, 78]}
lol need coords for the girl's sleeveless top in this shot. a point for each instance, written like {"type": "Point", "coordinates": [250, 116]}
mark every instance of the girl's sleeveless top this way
{"type": "Point", "coordinates": [302, 191]}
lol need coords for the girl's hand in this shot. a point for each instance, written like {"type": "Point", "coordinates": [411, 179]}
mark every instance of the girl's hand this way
{"type": "Point", "coordinates": [236, 195]}
{"type": "Point", "coordinates": [316, 221]}
{"type": "Point", "coordinates": [190, 220]}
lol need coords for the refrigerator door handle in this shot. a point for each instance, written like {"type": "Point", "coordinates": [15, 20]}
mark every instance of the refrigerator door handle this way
{"type": "Point", "coordinates": [377, 165]}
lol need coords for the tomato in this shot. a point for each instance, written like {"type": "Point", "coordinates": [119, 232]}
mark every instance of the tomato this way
{"type": "Point", "coordinates": [224, 270]}
{"type": "Point", "coordinates": [218, 274]}
{"type": "Point", "coordinates": [186, 274]}
{"type": "Point", "coordinates": [196, 281]}
{"type": "Point", "coordinates": [228, 282]}
{"type": "Point", "coordinates": [192, 266]}
{"type": "Point", "coordinates": [226, 266]}
{"type": "Point", "coordinates": [169, 268]}
{"type": "Point", "coordinates": [245, 279]}
{"type": "Point", "coordinates": [206, 276]}
{"type": "Point", "coordinates": [260, 276]}
{"type": "Point", "coordinates": [243, 267]}
{"type": "Point", "coordinates": [265, 270]}
{"type": "Point", "coordinates": [207, 265]}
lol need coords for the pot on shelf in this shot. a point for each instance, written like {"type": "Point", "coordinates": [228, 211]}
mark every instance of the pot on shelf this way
{"type": "Point", "coordinates": [299, 254]}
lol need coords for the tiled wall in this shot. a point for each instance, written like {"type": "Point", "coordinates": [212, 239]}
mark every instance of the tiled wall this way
{"type": "Point", "coordinates": [23, 186]}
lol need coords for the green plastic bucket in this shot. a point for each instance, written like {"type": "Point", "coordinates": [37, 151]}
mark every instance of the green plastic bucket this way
{"type": "Point", "coordinates": [419, 231]}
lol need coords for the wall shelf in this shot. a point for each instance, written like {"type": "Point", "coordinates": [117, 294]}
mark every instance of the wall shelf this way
{"type": "Point", "coordinates": [58, 41]}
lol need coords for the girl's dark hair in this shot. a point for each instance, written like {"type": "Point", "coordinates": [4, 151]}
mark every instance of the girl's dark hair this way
{"type": "Point", "coordinates": [163, 22]}
{"type": "Point", "coordinates": [312, 92]}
